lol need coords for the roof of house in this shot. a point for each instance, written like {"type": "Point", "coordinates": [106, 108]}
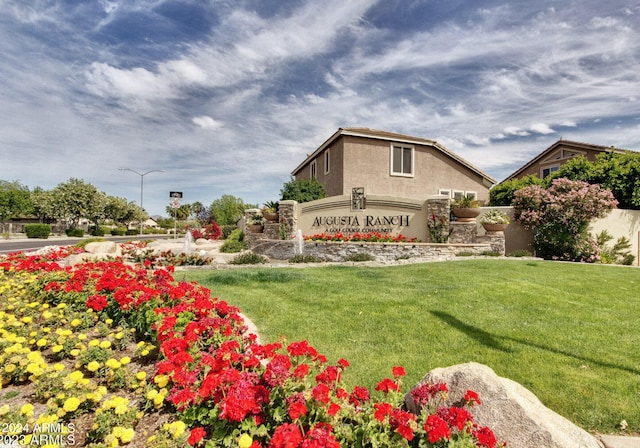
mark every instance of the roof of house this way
{"type": "Point", "coordinates": [564, 144]}
{"type": "Point", "coordinates": [390, 136]}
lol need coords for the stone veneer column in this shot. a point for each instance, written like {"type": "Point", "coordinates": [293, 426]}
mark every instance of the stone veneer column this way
{"type": "Point", "coordinates": [440, 208]}
{"type": "Point", "coordinates": [288, 216]}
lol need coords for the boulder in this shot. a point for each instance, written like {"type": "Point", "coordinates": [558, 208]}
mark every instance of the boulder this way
{"type": "Point", "coordinates": [514, 413]}
{"type": "Point", "coordinates": [103, 248]}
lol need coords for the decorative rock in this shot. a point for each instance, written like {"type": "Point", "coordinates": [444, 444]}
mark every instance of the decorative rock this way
{"type": "Point", "coordinates": [513, 413]}
{"type": "Point", "coordinates": [104, 248]}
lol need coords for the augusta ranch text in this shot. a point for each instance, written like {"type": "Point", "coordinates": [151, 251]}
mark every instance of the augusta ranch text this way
{"type": "Point", "coordinates": [367, 223]}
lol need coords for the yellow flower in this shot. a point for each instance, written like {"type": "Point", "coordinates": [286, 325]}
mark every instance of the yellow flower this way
{"type": "Point", "coordinates": [57, 348]}
{"type": "Point", "coordinates": [121, 409]}
{"type": "Point", "coordinates": [41, 342]}
{"type": "Point", "coordinates": [27, 410]}
{"type": "Point", "coordinates": [58, 367]}
{"type": "Point", "coordinates": [119, 335]}
{"type": "Point", "coordinates": [71, 404]}
{"type": "Point", "coordinates": [93, 366]}
{"type": "Point", "coordinates": [113, 364]}
{"type": "Point", "coordinates": [27, 319]}
{"type": "Point", "coordinates": [76, 322]}
{"type": "Point", "coordinates": [140, 376]}
{"type": "Point", "coordinates": [105, 344]}
{"type": "Point", "coordinates": [4, 409]}
{"type": "Point", "coordinates": [245, 441]}
{"type": "Point", "coordinates": [161, 380]}
{"type": "Point", "coordinates": [10, 368]}
{"type": "Point", "coordinates": [176, 429]}
{"type": "Point", "coordinates": [94, 343]}
{"type": "Point", "coordinates": [124, 434]}
{"type": "Point", "coordinates": [125, 360]}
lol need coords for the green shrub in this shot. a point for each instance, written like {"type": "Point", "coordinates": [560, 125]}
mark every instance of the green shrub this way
{"type": "Point", "coordinates": [520, 253]}
{"type": "Point", "coordinates": [132, 231]}
{"type": "Point", "coordinates": [490, 253]}
{"type": "Point", "coordinates": [74, 232]}
{"type": "Point", "coordinates": [248, 258]}
{"type": "Point", "coordinates": [119, 231]}
{"type": "Point", "coordinates": [465, 253]}
{"type": "Point", "coordinates": [96, 231]}
{"type": "Point", "coordinates": [300, 258]}
{"type": "Point", "coordinates": [235, 235]}
{"type": "Point", "coordinates": [228, 229]}
{"type": "Point", "coordinates": [37, 230]}
{"type": "Point", "coordinates": [230, 247]}
{"type": "Point", "coordinates": [359, 257]}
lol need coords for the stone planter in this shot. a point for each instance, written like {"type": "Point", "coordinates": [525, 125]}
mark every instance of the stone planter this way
{"type": "Point", "coordinates": [495, 227]}
{"type": "Point", "coordinates": [255, 228]}
{"type": "Point", "coordinates": [271, 217]}
{"type": "Point", "coordinates": [466, 214]}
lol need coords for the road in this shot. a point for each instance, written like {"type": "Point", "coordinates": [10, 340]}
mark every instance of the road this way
{"type": "Point", "coordinates": [33, 244]}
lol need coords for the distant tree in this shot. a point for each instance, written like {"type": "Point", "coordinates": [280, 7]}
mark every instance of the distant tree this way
{"type": "Point", "coordinates": [122, 211]}
{"type": "Point", "coordinates": [44, 206]}
{"type": "Point", "coordinates": [181, 213]}
{"type": "Point", "coordinates": [502, 194]}
{"type": "Point", "coordinates": [228, 209]}
{"type": "Point", "coordinates": [15, 201]}
{"type": "Point", "coordinates": [302, 190]}
{"type": "Point", "coordinates": [75, 200]}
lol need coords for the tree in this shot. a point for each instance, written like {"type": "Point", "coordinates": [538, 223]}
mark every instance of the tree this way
{"type": "Point", "coordinates": [302, 190]}
{"type": "Point", "coordinates": [122, 211]}
{"type": "Point", "coordinates": [228, 209]}
{"type": "Point", "coordinates": [502, 194]}
{"type": "Point", "coordinates": [44, 206]}
{"type": "Point", "coordinates": [181, 213]}
{"type": "Point", "coordinates": [559, 217]}
{"type": "Point", "coordinates": [75, 200]}
{"type": "Point", "coordinates": [15, 200]}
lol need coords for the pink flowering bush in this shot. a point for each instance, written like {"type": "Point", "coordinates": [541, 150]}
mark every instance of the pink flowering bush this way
{"type": "Point", "coordinates": [559, 217]}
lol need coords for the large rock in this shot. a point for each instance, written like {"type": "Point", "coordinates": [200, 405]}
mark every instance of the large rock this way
{"type": "Point", "coordinates": [107, 248]}
{"type": "Point", "coordinates": [513, 413]}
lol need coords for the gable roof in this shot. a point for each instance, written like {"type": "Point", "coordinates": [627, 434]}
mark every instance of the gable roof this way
{"type": "Point", "coordinates": [392, 137]}
{"type": "Point", "coordinates": [565, 144]}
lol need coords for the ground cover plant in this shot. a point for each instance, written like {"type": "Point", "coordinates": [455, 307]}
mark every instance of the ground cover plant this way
{"type": "Point", "coordinates": [107, 354]}
{"type": "Point", "coordinates": [567, 332]}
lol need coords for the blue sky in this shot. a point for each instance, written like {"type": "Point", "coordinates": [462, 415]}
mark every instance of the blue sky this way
{"type": "Point", "coordinates": [228, 96]}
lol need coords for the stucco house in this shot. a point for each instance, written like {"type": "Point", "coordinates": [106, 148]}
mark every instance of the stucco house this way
{"type": "Point", "coordinates": [390, 164]}
{"type": "Point", "coordinates": [552, 158]}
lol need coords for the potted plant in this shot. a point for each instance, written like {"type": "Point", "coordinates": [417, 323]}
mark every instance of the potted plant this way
{"type": "Point", "coordinates": [270, 211]}
{"type": "Point", "coordinates": [466, 208]}
{"type": "Point", "coordinates": [256, 223]}
{"type": "Point", "coordinates": [494, 221]}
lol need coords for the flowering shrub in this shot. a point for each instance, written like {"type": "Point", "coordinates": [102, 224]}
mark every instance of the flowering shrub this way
{"type": "Point", "coordinates": [494, 216]}
{"type": "Point", "coordinates": [372, 237]}
{"type": "Point", "coordinates": [223, 388]}
{"type": "Point", "coordinates": [209, 232]}
{"type": "Point", "coordinates": [559, 217]}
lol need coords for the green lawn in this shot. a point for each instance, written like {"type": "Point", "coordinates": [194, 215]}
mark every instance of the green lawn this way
{"type": "Point", "coordinates": [568, 332]}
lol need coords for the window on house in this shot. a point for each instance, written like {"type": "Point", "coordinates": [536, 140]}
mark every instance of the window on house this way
{"type": "Point", "coordinates": [401, 160]}
{"type": "Point", "coordinates": [444, 192]}
{"type": "Point", "coordinates": [312, 170]}
{"type": "Point", "coordinates": [472, 195]}
{"type": "Point", "coordinates": [547, 171]}
{"type": "Point", "coordinates": [327, 160]}
{"type": "Point", "coordinates": [457, 195]}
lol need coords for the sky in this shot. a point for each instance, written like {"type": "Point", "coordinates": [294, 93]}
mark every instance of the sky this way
{"type": "Point", "coordinates": [229, 96]}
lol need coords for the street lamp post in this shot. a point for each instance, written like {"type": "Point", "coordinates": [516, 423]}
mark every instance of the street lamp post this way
{"type": "Point", "coordinates": [141, 186]}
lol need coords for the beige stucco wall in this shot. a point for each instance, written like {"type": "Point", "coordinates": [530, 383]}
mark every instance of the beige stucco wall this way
{"type": "Point", "coordinates": [621, 223]}
{"type": "Point", "coordinates": [364, 162]}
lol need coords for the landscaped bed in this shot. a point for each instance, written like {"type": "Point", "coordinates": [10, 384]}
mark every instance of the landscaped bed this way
{"type": "Point", "coordinates": [105, 354]}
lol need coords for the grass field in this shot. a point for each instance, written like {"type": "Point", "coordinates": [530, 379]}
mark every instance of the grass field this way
{"type": "Point", "coordinates": [568, 332]}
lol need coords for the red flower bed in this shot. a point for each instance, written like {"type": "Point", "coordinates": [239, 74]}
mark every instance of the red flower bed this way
{"type": "Point", "coordinates": [371, 237]}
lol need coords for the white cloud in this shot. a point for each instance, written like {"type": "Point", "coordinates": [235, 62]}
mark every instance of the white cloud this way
{"type": "Point", "coordinates": [541, 128]}
{"type": "Point", "coordinates": [206, 122]}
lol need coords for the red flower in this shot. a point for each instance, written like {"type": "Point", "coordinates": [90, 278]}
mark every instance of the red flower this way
{"type": "Point", "coordinates": [286, 435]}
{"type": "Point", "coordinates": [334, 408]}
{"type": "Point", "coordinates": [301, 371]}
{"type": "Point", "coordinates": [297, 410]}
{"type": "Point", "coordinates": [485, 437]}
{"type": "Point", "coordinates": [320, 437]}
{"type": "Point", "coordinates": [387, 385]}
{"type": "Point", "coordinates": [321, 393]}
{"type": "Point", "coordinates": [398, 371]}
{"type": "Point", "coordinates": [382, 410]}
{"type": "Point", "coordinates": [359, 395]}
{"type": "Point", "coordinates": [196, 435]}
{"type": "Point", "coordinates": [436, 429]}
{"type": "Point", "coordinates": [471, 398]}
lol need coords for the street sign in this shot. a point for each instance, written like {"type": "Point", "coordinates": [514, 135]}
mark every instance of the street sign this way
{"type": "Point", "coordinates": [175, 194]}
{"type": "Point", "coordinates": [175, 203]}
